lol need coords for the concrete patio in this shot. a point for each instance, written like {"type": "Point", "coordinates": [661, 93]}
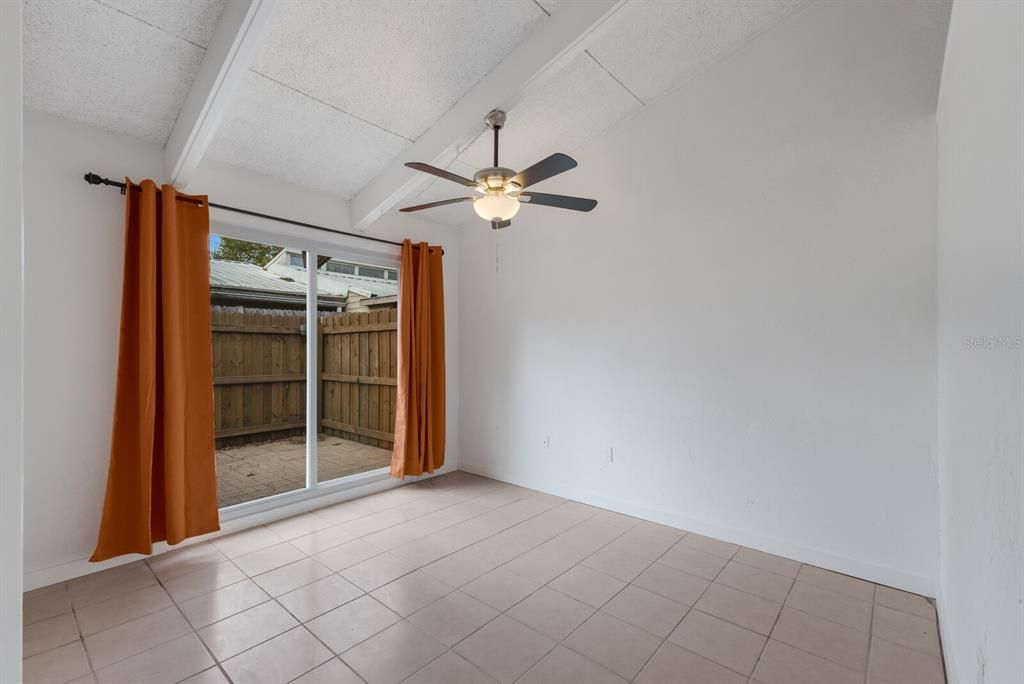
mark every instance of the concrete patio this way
{"type": "Point", "coordinates": [254, 471]}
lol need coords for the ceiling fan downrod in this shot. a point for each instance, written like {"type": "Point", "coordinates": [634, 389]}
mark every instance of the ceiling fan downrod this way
{"type": "Point", "coordinates": [495, 119]}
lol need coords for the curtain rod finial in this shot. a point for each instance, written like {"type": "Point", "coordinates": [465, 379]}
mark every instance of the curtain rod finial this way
{"type": "Point", "coordinates": [93, 179]}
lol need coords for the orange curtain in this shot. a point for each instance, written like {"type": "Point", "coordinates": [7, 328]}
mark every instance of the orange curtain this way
{"type": "Point", "coordinates": [419, 411]}
{"type": "Point", "coordinates": [162, 481]}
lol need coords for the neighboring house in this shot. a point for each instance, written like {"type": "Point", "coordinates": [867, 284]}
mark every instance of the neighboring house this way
{"type": "Point", "coordinates": [288, 257]}
{"type": "Point", "coordinates": [341, 285]}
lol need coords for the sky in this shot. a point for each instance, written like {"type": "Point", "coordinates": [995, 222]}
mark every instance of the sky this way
{"type": "Point", "coordinates": [214, 242]}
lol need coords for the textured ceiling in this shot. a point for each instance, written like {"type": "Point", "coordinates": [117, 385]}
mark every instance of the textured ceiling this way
{"type": "Point", "coordinates": [400, 64]}
{"type": "Point", "coordinates": [340, 89]}
{"type": "Point", "coordinates": [368, 76]}
{"type": "Point", "coordinates": [654, 46]}
{"type": "Point", "coordinates": [277, 131]}
{"type": "Point", "coordinates": [649, 48]}
{"type": "Point", "coordinates": [559, 115]}
{"type": "Point", "coordinates": [365, 79]}
{"type": "Point", "coordinates": [578, 102]}
{"type": "Point", "coordinates": [123, 65]}
{"type": "Point", "coordinates": [190, 20]}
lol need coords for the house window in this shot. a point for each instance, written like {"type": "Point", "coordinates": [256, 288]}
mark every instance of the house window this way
{"type": "Point", "coordinates": [341, 267]}
{"type": "Point", "coordinates": [370, 272]}
{"type": "Point", "coordinates": [295, 260]}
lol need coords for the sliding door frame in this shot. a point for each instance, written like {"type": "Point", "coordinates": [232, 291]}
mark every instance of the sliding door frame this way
{"type": "Point", "coordinates": [312, 372]}
{"type": "Point", "coordinates": [314, 246]}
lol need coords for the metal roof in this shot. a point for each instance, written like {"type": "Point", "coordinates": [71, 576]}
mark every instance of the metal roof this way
{"type": "Point", "coordinates": [279, 278]}
{"type": "Point", "coordinates": [328, 282]}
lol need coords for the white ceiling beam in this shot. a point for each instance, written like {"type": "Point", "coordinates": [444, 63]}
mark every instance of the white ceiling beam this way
{"type": "Point", "coordinates": [228, 57]}
{"type": "Point", "coordinates": [558, 39]}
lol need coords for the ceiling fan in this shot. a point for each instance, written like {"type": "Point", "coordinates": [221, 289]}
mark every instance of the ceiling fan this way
{"type": "Point", "coordinates": [502, 190]}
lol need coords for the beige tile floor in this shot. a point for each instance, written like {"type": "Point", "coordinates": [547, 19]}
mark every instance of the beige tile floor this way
{"type": "Point", "coordinates": [250, 472]}
{"type": "Point", "coordinates": [459, 580]}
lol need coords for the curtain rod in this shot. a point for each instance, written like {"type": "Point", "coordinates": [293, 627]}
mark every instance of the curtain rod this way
{"type": "Point", "coordinates": [94, 179]}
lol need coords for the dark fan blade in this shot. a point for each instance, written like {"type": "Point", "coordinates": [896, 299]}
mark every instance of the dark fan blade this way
{"type": "Point", "coordinates": [560, 201]}
{"type": "Point", "coordinates": [431, 205]}
{"type": "Point", "coordinates": [495, 225]}
{"type": "Point", "coordinates": [544, 169]}
{"type": "Point", "coordinates": [441, 173]}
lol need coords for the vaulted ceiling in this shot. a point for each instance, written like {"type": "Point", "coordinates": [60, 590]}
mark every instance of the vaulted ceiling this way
{"type": "Point", "coordinates": [123, 65]}
{"type": "Point", "coordinates": [339, 92]}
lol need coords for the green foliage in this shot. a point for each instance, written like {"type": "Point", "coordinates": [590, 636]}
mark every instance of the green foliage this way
{"type": "Point", "coordinates": [244, 251]}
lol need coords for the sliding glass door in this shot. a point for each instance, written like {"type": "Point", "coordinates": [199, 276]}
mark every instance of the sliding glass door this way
{"type": "Point", "coordinates": [304, 360]}
{"type": "Point", "coordinates": [358, 358]}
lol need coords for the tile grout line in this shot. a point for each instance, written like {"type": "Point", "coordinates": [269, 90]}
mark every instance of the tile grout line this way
{"type": "Point", "coordinates": [175, 604]}
{"type": "Point", "coordinates": [561, 642]}
{"type": "Point", "coordinates": [710, 583]}
{"type": "Point", "coordinates": [775, 624]}
{"type": "Point", "coordinates": [625, 586]}
{"type": "Point", "coordinates": [608, 543]}
{"type": "Point", "coordinates": [157, 582]}
{"type": "Point", "coordinates": [81, 637]}
{"type": "Point", "coordinates": [834, 593]}
{"type": "Point", "coordinates": [194, 631]}
{"type": "Point", "coordinates": [803, 612]}
{"type": "Point", "coordinates": [688, 611]}
{"type": "Point", "coordinates": [818, 617]}
{"type": "Point", "coordinates": [541, 586]}
{"type": "Point", "coordinates": [286, 541]}
{"type": "Point", "coordinates": [303, 624]}
{"type": "Point", "coordinates": [454, 589]}
{"type": "Point", "coordinates": [871, 634]}
{"type": "Point", "coordinates": [369, 593]}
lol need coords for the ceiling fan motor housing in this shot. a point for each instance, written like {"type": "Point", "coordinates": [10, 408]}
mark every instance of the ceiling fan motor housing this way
{"type": "Point", "coordinates": [494, 177]}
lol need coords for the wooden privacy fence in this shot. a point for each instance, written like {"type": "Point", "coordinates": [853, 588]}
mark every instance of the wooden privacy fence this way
{"type": "Point", "coordinates": [259, 370]}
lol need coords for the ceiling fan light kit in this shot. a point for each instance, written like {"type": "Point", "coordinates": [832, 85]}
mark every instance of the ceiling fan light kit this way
{"type": "Point", "coordinates": [501, 189]}
{"type": "Point", "coordinates": [496, 205]}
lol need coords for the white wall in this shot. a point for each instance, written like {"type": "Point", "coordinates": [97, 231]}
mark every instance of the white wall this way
{"type": "Point", "coordinates": [74, 243]}
{"type": "Point", "coordinates": [73, 256]}
{"type": "Point", "coordinates": [11, 291]}
{"type": "Point", "coordinates": [233, 186]}
{"type": "Point", "coordinates": [980, 301]}
{"type": "Point", "coordinates": [748, 316]}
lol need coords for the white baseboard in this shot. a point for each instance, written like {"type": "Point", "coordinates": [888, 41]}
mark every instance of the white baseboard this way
{"type": "Point", "coordinates": [891, 577]}
{"type": "Point", "coordinates": [80, 567]}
